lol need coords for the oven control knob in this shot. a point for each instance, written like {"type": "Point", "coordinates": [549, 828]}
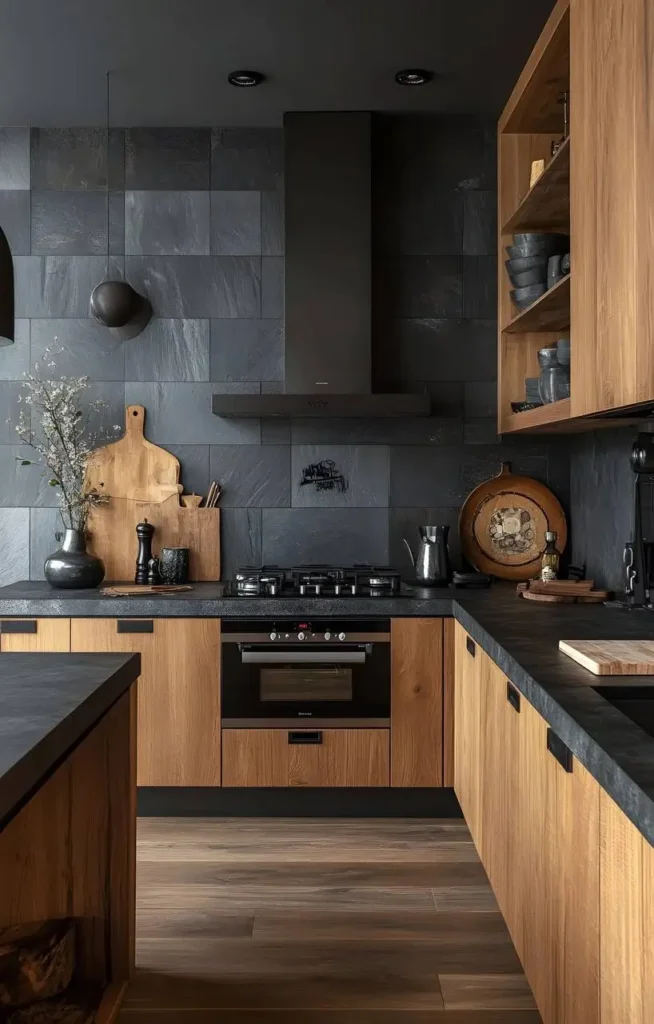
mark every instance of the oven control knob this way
{"type": "Point", "coordinates": [341, 636]}
{"type": "Point", "coordinates": [301, 636]}
{"type": "Point", "coordinates": [328, 635]}
{"type": "Point", "coordinates": [273, 636]}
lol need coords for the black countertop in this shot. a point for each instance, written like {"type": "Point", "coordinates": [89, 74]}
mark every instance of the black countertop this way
{"type": "Point", "coordinates": [47, 703]}
{"type": "Point", "coordinates": [521, 637]}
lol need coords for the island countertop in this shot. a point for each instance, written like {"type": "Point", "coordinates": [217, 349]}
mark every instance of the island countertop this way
{"type": "Point", "coordinates": [48, 702]}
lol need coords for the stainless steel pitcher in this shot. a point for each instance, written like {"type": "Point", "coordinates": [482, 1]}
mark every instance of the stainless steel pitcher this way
{"type": "Point", "coordinates": [431, 561]}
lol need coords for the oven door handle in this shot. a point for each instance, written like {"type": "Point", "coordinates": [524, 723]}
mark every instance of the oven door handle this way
{"type": "Point", "coordinates": [250, 657]}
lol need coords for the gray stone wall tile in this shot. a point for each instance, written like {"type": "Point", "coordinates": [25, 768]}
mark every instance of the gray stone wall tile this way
{"type": "Point", "coordinates": [366, 469]}
{"type": "Point", "coordinates": [69, 223]}
{"type": "Point", "coordinates": [169, 349]}
{"type": "Point", "coordinates": [167, 223]}
{"type": "Point", "coordinates": [167, 158]}
{"type": "Point", "coordinates": [480, 286]}
{"type": "Point", "coordinates": [194, 463]}
{"type": "Point", "coordinates": [180, 413]}
{"type": "Point", "coordinates": [14, 158]}
{"type": "Point", "coordinates": [404, 522]}
{"type": "Point", "coordinates": [103, 408]}
{"type": "Point", "coordinates": [15, 219]}
{"type": "Point", "coordinates": [117, 158]}
{"type": "Point", "coordinates": [69, 158]}
{"type": "Point", "coordinates": [78, 347]}
{"type": "Point", "coordinates": [15, 534]}
{"type": "Point", "coordinates": [272, 222]}
{"type": "Point", "coordinates": [15, 358]}
{"type": "Point", "coordinates": [424, 286]}
{"type": "Point", "coordinates": [46, 531]}
{"type": "Point", "coordinates": [56, 286]}
{"type": "Point", "coordinates": [426, 477]}
{"type": "Point", "coordinates": [240, 530]}
{"type": "Point", "coordinates": [247, 350]}
{"type": "Point", "coordinates": [272, 287]}
{"type": "Point", "coordinates": [446, 350]}
{"type": "Point", "coordinates": [480, 223]}
{"type": "Point", "coordinates": [247, 158]}
{"type": "Point", "coordinates": [10, 392]}
{"type": "Point", "coordinates": [428, 222]}
{"type": "Point", "coordinates": [481, 431]}
{"type": "Point", "coordinates": [275, 430]}
{"type": "Point", "coordinates": [428, 430]}
{"type": "Point", "coordinates": [252, 475]}
{"type": "Point", "coordinates": [236, 223]}
{"type": "Point", "coordinates": [480, 398]}
{"type": "Point", "coordinates": [198, 286]}
{"type": "Point", "coordinates": [23, 485]}
{"type": "Point", "coordinates": [117, 223]}
{"type": "Point", "coordinates": [318, 535]}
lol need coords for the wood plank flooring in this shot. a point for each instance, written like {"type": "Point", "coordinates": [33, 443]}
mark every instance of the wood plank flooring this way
{"type": "Point", "coordinates": [264, 921]}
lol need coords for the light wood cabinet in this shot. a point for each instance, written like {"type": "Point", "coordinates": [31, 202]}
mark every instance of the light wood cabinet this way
{"type": "Point", "coordinates": [305, 757]}
{"type": "Point", "coordinates": [626, 920]}
{"type": "Point", "coordinates": [417, 702]}
{"type": "Point", "coordinates": [471, 668]}
{"type": "Point", "coordinates": [31, 635]}
{"type": "Point", "coordinates": [178, 693]}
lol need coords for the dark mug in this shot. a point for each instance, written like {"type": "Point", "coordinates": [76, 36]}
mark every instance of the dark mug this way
{"type": "Point", "coordinates": [173, 565]}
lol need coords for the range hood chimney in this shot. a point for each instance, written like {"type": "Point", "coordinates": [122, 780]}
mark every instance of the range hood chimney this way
{"type": "Point", "coordinates": [328, 278]}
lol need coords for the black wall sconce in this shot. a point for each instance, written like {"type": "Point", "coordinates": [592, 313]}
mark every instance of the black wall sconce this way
{"type": "Point", "coordinates": [116, 305]}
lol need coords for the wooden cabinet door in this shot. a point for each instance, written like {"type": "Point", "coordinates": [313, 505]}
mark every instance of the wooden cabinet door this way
{"type": "Point", "coordinates": [555, 906]}
{"type": "Point", "coordinates": [178, 694]}
{"type": "Point", "coordinates": [612, 228]}
{"type": "Point", "coordinates": [417, 702]}
{"type": "Point", "coordinates": [27, 635]}
{"type": "Point", "coordinates": [626, 920]}
{"type": "Point", "coordinates": [342, 758]}
{"type": "Point", "coordinates": [471, 668]}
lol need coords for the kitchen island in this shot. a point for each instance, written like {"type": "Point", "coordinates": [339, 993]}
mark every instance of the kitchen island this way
{"type": "Point", "coordinates": [68, 807]}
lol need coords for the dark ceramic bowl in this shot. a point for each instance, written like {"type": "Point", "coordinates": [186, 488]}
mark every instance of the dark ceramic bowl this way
{"type": "Point", "coordinates": [538, 244]}
{"type": "Point", "coordinates": [536, 276]}
{"type": "Point", "coordinates": [522, 263]}
{"type": "Point", "coordinates": [524, 297]}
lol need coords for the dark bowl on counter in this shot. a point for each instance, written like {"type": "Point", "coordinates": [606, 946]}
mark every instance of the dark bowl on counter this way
{"type": "Point", "coordinates": [523, 297]}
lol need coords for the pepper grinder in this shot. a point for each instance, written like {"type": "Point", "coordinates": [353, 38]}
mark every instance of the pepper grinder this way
{"type": "Point", "coordinates": [144, 532]}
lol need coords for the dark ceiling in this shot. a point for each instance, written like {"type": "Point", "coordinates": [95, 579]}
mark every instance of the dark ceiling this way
{"type": "Point", "coordinates": [169, 58]}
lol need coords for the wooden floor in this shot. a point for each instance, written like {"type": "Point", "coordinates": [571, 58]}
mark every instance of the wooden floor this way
{"type": "Point", "coordinates": [264, 921]}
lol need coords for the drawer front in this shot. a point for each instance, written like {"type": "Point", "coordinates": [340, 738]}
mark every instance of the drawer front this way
{"type": "Point", "coordinates": [34, 635]}
{"type": "Point", "coordinates": [306, 757]}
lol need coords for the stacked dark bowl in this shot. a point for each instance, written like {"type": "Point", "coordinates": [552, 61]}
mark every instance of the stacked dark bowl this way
{"type": "Point", "coordinates": [527, 264]}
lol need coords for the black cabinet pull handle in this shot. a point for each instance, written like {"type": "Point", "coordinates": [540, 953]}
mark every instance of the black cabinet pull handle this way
{"type": "Point", "coordinates": [558, 749]}
{"type": "Point", "coordinates": [471, 645]}
{"type": "Point", "coordinates": [18, 626]}
{"type": "Point", "coordinates": [305, 737]}
{"type": "Point", "coordinates": [134, 626]}
{"type": "Point", "coordinates": [513, 697]}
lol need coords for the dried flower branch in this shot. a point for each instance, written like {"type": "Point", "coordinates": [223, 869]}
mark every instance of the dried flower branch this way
{"type": "Point", "coordinates": [51, 422]}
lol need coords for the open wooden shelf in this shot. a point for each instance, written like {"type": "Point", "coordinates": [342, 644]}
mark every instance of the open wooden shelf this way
{"type": "Point", "coordinates": [556, 418]}
{"type": "Point", "coordinates": [549, 313]}
{"type": "Point", "coordinates": [547, 203]}
{"type": "Point", "coordinates": [532, 419]}
{"type": "Point", "coordinates": [534, 106]}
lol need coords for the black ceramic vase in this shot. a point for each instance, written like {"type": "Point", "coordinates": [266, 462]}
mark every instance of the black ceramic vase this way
{"type": "Point", "coordinates": [174, 565]}
{"type": "Point", "coordinates": [72, 567]}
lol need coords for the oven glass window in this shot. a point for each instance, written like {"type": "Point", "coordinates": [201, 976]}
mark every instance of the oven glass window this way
{"type": "Point", "coordinates": [305, 683]}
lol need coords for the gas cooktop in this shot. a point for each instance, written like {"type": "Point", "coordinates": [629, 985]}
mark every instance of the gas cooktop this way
{"type": "Point", "coordinates": [316, 581]}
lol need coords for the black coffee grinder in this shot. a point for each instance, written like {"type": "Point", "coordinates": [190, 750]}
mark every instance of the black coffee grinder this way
{"type": "Point", "coordinates": [638, 554]}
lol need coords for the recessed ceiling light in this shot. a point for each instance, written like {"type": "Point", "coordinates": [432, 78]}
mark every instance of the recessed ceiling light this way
{"type": "Point", "coordinates": [413, 76]}
{"type": "Point", "coordinates": [245, 79]}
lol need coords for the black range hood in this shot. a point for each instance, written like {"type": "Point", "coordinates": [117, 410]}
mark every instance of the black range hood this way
{"type": "Point", "coordinates": [327, 358]}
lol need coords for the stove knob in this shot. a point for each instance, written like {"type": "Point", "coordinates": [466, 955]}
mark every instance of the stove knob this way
{"type": "Point", "coordinates": [328, 635]}
{"type": "Point", "coordinates": [301, 636]}
{"type": "Point", "coordinates": [273, 636]}
{"type": "Point", "coordinates": [341, 636]}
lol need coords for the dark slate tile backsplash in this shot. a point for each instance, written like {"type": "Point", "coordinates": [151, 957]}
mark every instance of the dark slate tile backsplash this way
{"type": "Point", "coordinates": [195, 218]}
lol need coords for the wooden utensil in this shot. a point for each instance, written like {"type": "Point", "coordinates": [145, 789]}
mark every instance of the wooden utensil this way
{"type": "Point", "coordinates": [503, 523]}
{"type": "Point", "coordinates": [133, 467]}
{"type": "Point", "coordinates": [191, 500]}
{"type": "Point", "coordinates": [131, 589]}
{"type": "Point", "coordinates": [612, 657]}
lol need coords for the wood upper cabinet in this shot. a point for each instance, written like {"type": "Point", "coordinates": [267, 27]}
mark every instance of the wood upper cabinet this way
{"type": "Point", "coordinates": [305, 757]}
{"type": "Point", "coordinates": [611, 218]}
{"type": "Point", "coordinates": [178, 693]}
{"type": "Point", "coordinates": [31, 635]}
{"type": "Point", "coordinates": [417, 702]}
{"type": "Point", "coordinates": [626, 920]}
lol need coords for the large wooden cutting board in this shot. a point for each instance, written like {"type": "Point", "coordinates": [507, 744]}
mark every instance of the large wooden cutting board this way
{"type": "Point", "coordinates": [612, 657]}
{"type": "Point", "coordinates": [133, 467]}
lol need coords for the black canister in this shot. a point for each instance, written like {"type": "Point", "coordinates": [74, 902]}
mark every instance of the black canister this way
{"type": "Point", "coordinates": [174, 565]}
{"type": "Point", "coordinates": [145, 533]}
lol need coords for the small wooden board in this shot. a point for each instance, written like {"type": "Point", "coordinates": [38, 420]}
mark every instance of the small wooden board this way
{"type": "Point", "coordinates": [136, 589]}
{"type": "Point", "coordinates": [133, 467]}
{"type": "Point", "coordinates": [612, 657]}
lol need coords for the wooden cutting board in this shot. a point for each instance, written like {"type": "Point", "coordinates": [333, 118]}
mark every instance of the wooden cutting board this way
{"type": "Point", "coordinates": [134, 467]}
{"type": "Point", "coordinates": [612, 657]}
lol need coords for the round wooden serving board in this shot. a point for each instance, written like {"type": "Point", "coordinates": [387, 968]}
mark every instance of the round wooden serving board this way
{"type": "Point", "coordinates": [503, 524]}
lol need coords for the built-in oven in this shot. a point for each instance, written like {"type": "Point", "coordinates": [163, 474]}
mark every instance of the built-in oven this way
{"type": "Point", "coordinates": [327, 672]}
